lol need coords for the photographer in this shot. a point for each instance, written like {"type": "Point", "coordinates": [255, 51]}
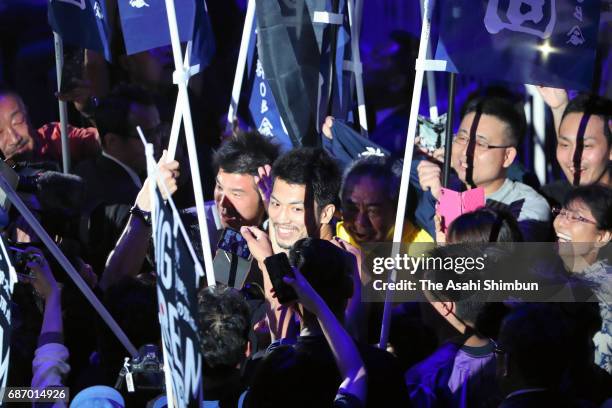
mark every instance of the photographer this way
{"type": "Point", "coordinates": [49, 365]}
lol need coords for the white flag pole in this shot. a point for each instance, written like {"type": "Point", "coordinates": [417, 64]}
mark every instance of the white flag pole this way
{"type": "Point", "coordinates": [63, 261]}
{"type": "Point", "coordinates": [431, 80]}
{"type": "Point", "coordinates": [181, 77]}
{"type": "Point", "coordinates": [357, 67]}
{"type": "Point", "coordinates": [536, 109]}
{"type": "Point", "coordinates": [63, 107]}
{"type": "Point", "coordinates": [242, 59]}
{"type": "Point", "coordinates": [178, 114]}
{"type": "Point", "coordinates": [403, 193]}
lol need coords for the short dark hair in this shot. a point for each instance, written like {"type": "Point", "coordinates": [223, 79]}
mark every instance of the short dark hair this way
{"type": "Point", "coordinates": [470, 306]}
{"type": "Point", "coordinates": [327, 268]}
{"type": "Point", "coordinates": [599, 200]}
{"type": "Point", "coordinates": [223, 327]}
{"type": "Point", "coordinates": [535, 336]}
{"type": "Point", "coordinates": [502, 109]}
{"type": "Point", "coordinates": [592, 104]}
{"type": "Point", "coordinates": [244, 153]}
{"type": "Point", "coordinates": [313, 168]}
{"type": "Point", "coordinates": [112, 113]}
{"type": "Point", "coordinates": [380, 168]}
{"type": "Point", "coordinates": [485, 225]}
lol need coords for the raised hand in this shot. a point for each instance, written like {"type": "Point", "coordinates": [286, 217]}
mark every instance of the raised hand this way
{"type": "Point", "coordinates": [258, 242]}
{"type": "Point", "coordinates": [264, 183]}
{"type": "Point", "coordinates": [430, 177]}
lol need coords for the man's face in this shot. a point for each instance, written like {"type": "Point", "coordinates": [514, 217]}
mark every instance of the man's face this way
{"type": "Point", "coordinates": [596, 152]}
{"type": "Point", "coordinates": [292, 214]}
{"type": "Point", "coordinates": [16, 138]}
{"type": "Point", "coordinates": [147, 117]}
{"type": "Point", "coordinates": [489, 164]}
{"type": "Point", "coordinates": [368, 213]}
{"type": "Point", "coordinates": [238, 200]}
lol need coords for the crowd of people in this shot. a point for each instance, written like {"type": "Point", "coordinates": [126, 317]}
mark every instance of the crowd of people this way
{"type": "Point", "coordinates": [321, 348]}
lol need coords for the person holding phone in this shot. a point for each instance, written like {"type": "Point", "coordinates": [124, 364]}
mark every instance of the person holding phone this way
{"type": "Point", "coordinates": [483, 150]}
{"type": "Point", "coordinates": [328, 269]}
{"type": "Point", "coordinates": [303, 198]}
{"type": "Point", "coordinates": [50, 364]}
{"type": "Point", "coordinates": [353, 387]}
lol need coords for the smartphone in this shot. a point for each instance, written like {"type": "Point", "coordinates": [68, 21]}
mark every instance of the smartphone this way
{"type": "Point", "coordinates": [278, 267]}
{"type": "Point", "coordinates": [431, 132]}
{"type": "Point", "coordinates": [231, 241]}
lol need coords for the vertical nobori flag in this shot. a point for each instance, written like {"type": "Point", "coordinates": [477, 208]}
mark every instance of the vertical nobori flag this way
{"type": "Point", "coordinates": [262, 105]}
{"type": "Point", "coordinates": [203, 39]}
{"type": "Point", "coordinates": [290, 57]}
{"type": "Point", "coordinates": [8, 278]}
{"type": "Point", "coordinates": [178, 273]}
{"type": "Point", "coordinates": [81, 23]}
{"type": "Point", "coordinates": [145, 23]}
{"type": "Point", "coordinates": [341, 96]}
{"type": "Point", "coordinates": [541, 42]}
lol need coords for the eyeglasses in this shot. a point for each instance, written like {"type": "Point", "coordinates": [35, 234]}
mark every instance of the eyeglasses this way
{"type": "Point", "coordinates": [481, 144]}
{"type": "Point", "coordinates": [571, 216]}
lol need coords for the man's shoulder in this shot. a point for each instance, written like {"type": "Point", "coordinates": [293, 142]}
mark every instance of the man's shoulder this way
{"type": "Point", "coordinates": [534, 205]}
{"type": "Point", "coordinates": [427, 370]}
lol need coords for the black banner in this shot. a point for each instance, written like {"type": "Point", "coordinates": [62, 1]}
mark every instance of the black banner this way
{"type": "Point", "coordinates": [178, 273]}
{"type": "Point", "coordinates": [8, 277]}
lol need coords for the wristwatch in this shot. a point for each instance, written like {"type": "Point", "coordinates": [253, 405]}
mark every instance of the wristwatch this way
{"type": "Point", "coordinates": [145, 216]}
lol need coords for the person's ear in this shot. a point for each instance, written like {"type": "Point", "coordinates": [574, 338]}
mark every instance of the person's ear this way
{"type": "Point", "coordinates": [603, 238]}
{"type": "Point", "coordinates": [509, 156]}
{"type": "Point", "coordinates": [327, 213]}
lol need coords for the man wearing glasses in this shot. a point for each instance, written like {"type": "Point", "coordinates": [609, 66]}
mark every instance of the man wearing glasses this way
{"type": "Point", "coordinates": [483, 149]}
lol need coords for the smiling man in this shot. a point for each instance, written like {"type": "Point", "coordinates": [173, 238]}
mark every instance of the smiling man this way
{"type": "Point", "coordinates": [498, 129]}
{"type": "Point", "coordinates": [584, 146]}
{"type": "Point", "coordinates": [304, 197]}
{"type": "Point", "coordinates": [370, 188]}
{"type": "Point", "coordinates": [19, 140]}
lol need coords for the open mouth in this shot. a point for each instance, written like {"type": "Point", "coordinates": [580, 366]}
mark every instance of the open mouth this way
{"type": "Point", "coordinates": [284, 232]}
{"type": "Point", "coordinates": [359, 236]}
{"type": "Point", "coordinates": [561, 237]}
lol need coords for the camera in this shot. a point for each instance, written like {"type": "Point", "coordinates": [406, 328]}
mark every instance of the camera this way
{"type": "Point", "coordinates": [20, 259]}
{"type": "Point", "coordinates": [147, 370]}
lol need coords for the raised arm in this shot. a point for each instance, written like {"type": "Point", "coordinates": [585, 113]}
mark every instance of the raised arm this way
{"type": "Point", "coordinates": [557, 100]}
{"type": "Point", "coordinates": [280, 318]}
{"type": "Point", "coordinates": [129, 253]}
{"type": "Point", "coordinates": [50, 359]}
{"type": "Point", "coordinates": [345, 351]}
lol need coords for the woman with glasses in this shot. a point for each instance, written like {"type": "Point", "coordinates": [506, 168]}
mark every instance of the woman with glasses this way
{"type": "Point", "coordinates": [584, 231]}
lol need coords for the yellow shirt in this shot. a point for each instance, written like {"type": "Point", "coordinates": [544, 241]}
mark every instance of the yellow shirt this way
{"type": "Point", "coordinates": [410, 234]}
